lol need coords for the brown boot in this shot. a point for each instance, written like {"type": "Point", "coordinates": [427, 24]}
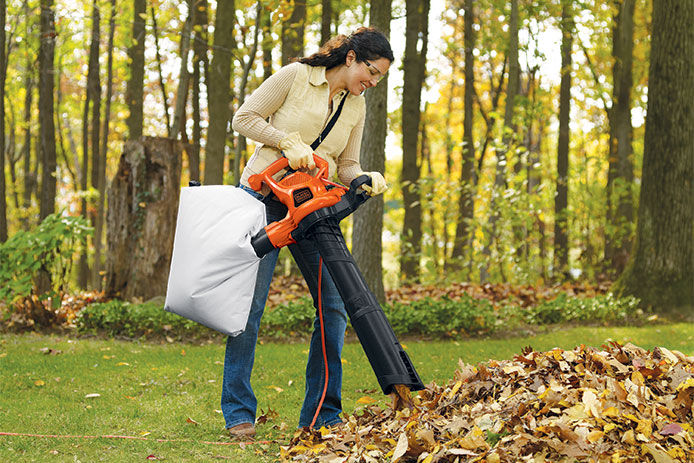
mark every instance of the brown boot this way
{"type": "Point", "coordinates": [243, 430]}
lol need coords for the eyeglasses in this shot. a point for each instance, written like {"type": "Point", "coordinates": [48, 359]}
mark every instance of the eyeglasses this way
{"type": "Point", "coordinates": [374, 71]}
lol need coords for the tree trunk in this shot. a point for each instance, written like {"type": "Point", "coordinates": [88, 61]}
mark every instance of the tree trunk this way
{"type": "Point", "coordinates": [11, 147]}
{"type": "Point", "coordinates": [3, 75]}
{"type": "Point", "coordinates": [94, 85]}
{"type": "Point", "coordinates": [561, 240]}
{"type": "Point", "coordinates": [466, 201]}
{"type": "Point", "coordinates": [430, 194]}
{"type": "Point", "coordinates": [90, 140]}
{"type": "Point", "coordinates": [489, 116]}
{"type": "Point", "coordinates": [449, 210]}
{"type": "Point", "coordinates": [46, 113]}
{"type": "Point", "coordinates": [327, 17]}
{"type": "Point", "coordinates": [30, 179]}
{"type": "Point", "coordinates": [512, 89]}
{"type": "Point", "coordinates": [83, 272]}
{"type": "Point", "coordinates": [247, 66]}
{"type": "Point", "coordinates": [620, 178]}
{"type": "Point", "coordinates": [200, 45]}
{"type": "Point", "coordinates": [142, 206]}
{"type": "Point", "coordinates": [267, 43]}
{"type": "Point", "coordinates": [293, 32]}
{"type": "Point", "coordinates": [534, 175]}
{"type": "Point", "coordinates": [367, 246]}
{"type": "Point", "coordinates": [661, 270]}
{"type": "Point", "coordinates": [3, 197]}
{"type": "Point", "coordinates": [101, 185]}
{"type": "Point", "coordinates": [135, 91]}
{"type": "Point", "coordinates": [75, 174]}
{"type": "Point", "coordinates": [219, 95]}
{"type": "Point", "coordinates": [178, 124]}
{"type": "Point", "coordinates": [414, 63]}
{"type": "Point", "coordinates": [162, 84]}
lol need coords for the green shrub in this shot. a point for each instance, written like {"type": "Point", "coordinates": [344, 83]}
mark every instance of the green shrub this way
{"type": "Point", "coordinates": [48, 249]}
{"type": "Point", "coordinates": [431, 317]}
{"type": "Point", "coordinates": [120, 318]}
{"type": "Point", "coordinates": [437, 318]}
{"type": "Point", "coordinates": [603, 308]}
{"type": "Point", "coordinates": [442, 317]}
{"type": "Point", "coordinates": [290, 319]}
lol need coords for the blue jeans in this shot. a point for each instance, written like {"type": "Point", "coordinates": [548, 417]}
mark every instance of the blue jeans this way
{"type": "Point", "coordinates": [239, 403]}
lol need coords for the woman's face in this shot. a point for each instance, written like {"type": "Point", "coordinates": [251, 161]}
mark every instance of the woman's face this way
{"type": "Point", "coordinates": [364, 74]}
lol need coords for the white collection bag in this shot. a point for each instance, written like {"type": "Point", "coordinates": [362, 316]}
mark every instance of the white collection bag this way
{"type": "Point", "coordinates": [214, 267]}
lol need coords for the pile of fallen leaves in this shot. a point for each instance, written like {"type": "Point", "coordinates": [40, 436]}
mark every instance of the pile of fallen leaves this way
{"type": "Point", "coordinates": [285, 289]}
{"type": "Point", "coordinates": [618, 404]}
{"type": "Point", "coordinates": [522, 295]}
{"type": "Point", "coordinates": [33, 313]}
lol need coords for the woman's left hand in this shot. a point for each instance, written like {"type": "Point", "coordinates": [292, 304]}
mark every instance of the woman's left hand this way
{"type": "Point", "coordinates": [378, 183]}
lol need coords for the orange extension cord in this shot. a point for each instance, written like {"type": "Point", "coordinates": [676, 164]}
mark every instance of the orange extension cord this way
{"type": "Point", "coordinates": [322, 337]}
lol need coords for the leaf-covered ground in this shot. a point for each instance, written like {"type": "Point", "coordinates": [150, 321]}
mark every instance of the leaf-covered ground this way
{"type": "Point", "coordinates": [619, 403]}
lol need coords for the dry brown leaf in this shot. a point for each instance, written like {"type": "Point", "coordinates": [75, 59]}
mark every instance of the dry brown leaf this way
{"type": "Point", "coordinates": [400, 447]}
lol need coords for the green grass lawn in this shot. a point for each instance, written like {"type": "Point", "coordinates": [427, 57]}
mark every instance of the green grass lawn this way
{"type": "Point", "coordinates": [171, 391]}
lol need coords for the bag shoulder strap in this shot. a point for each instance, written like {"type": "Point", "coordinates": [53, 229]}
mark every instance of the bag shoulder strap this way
{"type": "Point", "coordinates": [330, 124]}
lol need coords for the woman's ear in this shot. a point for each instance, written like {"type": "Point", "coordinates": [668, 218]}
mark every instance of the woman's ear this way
{"type": "Point", "coordinates": [350, 58]}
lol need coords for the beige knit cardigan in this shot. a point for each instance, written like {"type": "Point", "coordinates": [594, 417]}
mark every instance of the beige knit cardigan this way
{"type": "Point", "coordinates": [296, 99]}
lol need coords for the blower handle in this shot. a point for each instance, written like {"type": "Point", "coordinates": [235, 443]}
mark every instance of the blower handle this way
{"type": "Point", "coordinates": [356, 197]}
{"type": "Point", "coordinates": [266, 176]}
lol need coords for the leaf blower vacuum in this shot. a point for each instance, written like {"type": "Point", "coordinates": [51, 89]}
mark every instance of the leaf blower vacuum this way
{"type": "Point", "coordinates": [315, 207]}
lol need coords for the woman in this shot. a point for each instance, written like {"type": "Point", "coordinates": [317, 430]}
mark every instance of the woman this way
{"type": "Point", "coordinates": [299, 100]}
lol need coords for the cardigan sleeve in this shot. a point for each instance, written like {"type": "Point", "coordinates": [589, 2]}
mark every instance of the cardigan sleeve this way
{"type": "Point", "coordinates": [251, 118]}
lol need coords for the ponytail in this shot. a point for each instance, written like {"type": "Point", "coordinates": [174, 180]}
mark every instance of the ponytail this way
{"type": "Point", "coordinates": [366, 42]}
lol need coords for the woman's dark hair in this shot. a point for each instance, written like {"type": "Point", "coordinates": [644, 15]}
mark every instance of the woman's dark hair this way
{"type": "Point", "coordinates": [367, 43]}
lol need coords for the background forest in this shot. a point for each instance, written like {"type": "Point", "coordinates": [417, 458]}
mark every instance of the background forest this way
{"type": "Point", "coordinates": [514, 135]}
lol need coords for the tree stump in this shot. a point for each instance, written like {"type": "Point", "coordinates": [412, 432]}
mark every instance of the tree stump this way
{"type": "Point", "coordinates": [141, 218]}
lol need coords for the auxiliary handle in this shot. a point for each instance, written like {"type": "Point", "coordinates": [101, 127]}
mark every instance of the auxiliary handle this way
{"type": "Point", "coordinates": [266, 176]}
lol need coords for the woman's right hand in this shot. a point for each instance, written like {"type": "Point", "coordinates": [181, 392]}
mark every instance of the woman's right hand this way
{"type": "Point", "coordinates": [298, 153]}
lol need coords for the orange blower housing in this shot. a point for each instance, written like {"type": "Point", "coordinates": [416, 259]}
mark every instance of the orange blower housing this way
{"type": "Point", "coordinates": [300, 192]}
